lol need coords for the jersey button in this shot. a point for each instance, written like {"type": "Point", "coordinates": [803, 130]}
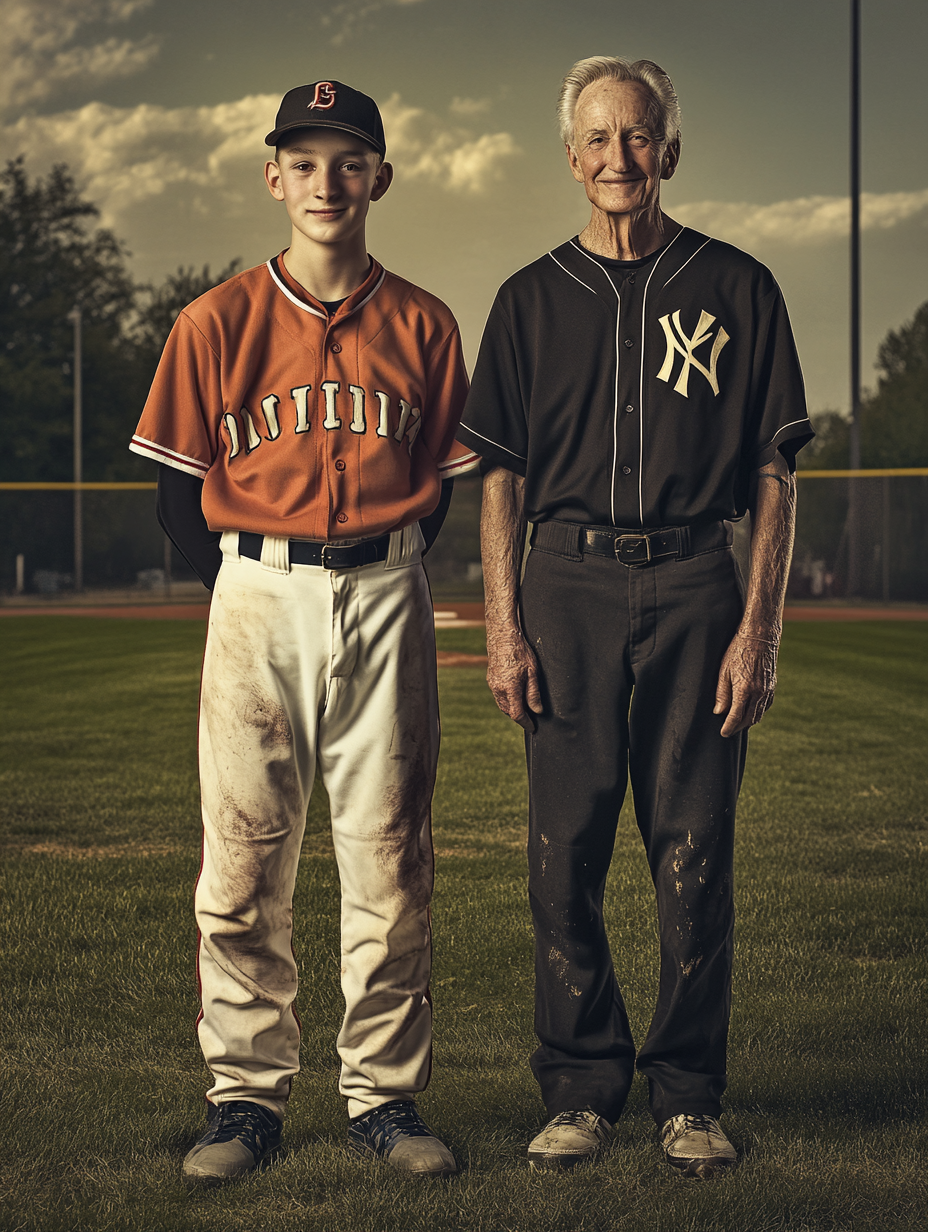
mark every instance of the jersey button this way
{"type": "Point", "coordinates": [629, 342]}
{"type": "Point", "coordinates": [341, 517]}
{"type": "Point", "coordinates": [626, 470]}
{"type": "Point", "coordinates": [631, 281]}
{"type": "Point", "coordinates": [629, 409]}
{"type": "Point", "coordinates": [336, 347]}
{"type": "Point", "coordinates": [339, 465]}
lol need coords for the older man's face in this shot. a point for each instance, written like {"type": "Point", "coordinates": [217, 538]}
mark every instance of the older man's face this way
{"type": "Point", "coordinates": [615, 155]}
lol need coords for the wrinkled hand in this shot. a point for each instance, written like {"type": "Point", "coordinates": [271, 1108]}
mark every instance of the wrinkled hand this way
{"type": "Point", "coordinates": [747, 681]}
{"type": "Point", "coordinates": [512, 675]}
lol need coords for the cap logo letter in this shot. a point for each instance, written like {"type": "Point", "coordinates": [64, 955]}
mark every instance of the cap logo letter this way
{"type": "Point", "coordinates": [324, 97]}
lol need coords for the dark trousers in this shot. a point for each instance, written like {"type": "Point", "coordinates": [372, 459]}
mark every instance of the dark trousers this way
{"type": "Point", "coordinates": [629, 660]}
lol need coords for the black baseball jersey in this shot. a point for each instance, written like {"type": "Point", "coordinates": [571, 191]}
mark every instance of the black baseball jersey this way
{"type": "Point", "coordinates": [643, 399]}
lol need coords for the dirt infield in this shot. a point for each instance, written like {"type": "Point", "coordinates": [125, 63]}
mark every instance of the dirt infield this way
{"type": "Point", "coordinates": [447, 615]}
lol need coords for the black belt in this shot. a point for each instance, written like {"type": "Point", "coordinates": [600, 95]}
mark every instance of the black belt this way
{"type": "Point", "coordinates": [631, 547]}
{"type": "Point", "coordinates": [328, 555]}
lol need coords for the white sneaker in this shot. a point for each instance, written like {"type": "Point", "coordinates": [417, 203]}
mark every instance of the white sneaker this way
{"type": "Point", "coordinates": [697, 1146]}
{"type": "Point", "coordinates": [569, 1138]}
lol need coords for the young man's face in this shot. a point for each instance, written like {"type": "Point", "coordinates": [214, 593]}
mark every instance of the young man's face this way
{"type": "Point", "coordinates": [327, 179]}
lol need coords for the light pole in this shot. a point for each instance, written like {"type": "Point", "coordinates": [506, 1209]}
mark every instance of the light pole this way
{"type": "Point", "coordinates": [75, 317]}
{"type": "Point", "coordinates": [853, 511]}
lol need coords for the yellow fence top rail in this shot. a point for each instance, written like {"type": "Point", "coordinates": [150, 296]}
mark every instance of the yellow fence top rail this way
{"type": "Point", "coordinates": [873, 474]}
{"type": "Point", "coordinates": [77, 487]}
{"type": "Point", "coordinates": [150, 487]}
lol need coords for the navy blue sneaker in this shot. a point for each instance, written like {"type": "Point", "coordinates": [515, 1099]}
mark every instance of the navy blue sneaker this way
{"type": "Point", "coordinates": [396, 1133]}
{"type": "Point", "coordinates": [239, 1136]}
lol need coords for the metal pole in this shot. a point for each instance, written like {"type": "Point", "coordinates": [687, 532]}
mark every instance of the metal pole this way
{"type": "Point", "coordinates": [75, 316]}
{"type": "Point", "coordinates": [884, 554]}
{"type": "Point", "coordinates": [853, 510]}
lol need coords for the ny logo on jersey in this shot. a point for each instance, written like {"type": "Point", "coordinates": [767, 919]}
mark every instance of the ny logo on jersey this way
{"type": "Point", "coordinates": [679, 344]}
{"type": "Point", "coordinates": [324, 97]}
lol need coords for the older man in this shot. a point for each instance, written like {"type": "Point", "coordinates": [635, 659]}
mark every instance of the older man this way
{"type": "Point", "coordinates": [637, 389]}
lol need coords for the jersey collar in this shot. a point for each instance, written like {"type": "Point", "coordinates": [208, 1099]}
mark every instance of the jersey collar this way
{"type": "Point", "coordinates": [587, 271]}
{"type": "Point", "coordinates": [298, 295]}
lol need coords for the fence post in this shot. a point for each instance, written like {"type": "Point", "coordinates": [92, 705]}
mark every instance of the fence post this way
{"type": "Point", "coordinates": [884, 554]}
{"type": "Point", "coordinates": [75, 317]}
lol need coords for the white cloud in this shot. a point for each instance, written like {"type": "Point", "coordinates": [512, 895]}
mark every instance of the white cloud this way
{"type": "Point", "coordinates": [350, 16]}
{"type": "Point", "coordinates": [122, 156]}
{"type": "Point", "coordinates": [422, 147]}
{"type": "Point", "coordinates": [38, 51]}
{"type": "Point", "coordinates": [806, 220]}
{"type": "Point", "coordinates": [469, 106]}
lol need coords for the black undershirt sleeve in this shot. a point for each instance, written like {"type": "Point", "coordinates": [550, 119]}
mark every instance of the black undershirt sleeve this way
{"type": "Point", "coordinates": [181, 516]}
{"type": "Point", "coordinates": [431, 525]}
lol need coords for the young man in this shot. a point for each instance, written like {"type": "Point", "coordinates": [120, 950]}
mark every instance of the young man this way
{"type": "Point", "coordinates": [304, 413]}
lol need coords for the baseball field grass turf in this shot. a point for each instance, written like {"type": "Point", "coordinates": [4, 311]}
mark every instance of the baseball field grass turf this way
{"type": "Point", "coordinates": [102, 1080]}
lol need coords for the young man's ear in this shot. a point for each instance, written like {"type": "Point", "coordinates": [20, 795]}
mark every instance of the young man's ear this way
{"type": "Point", "coordinates": [272, 179]}
{"type": "Point", "coordinates": [382, 180]}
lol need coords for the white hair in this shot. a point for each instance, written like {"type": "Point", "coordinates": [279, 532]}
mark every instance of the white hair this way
{"type": "Point", "coordinates": [663, 112]}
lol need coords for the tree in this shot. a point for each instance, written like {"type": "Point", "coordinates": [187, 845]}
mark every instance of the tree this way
{"type": "Point", "coordinates": [162, 305]}
{"type": "Point", "coordinates": [51, 258]}
{"type": "Point", "coordinates": [893, 419]}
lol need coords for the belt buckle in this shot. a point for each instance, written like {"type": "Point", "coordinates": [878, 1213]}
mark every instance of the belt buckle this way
{"type": "Point", "coordinates": [620, 539]}
{"type": "Point", "coordinates": [324, 561]}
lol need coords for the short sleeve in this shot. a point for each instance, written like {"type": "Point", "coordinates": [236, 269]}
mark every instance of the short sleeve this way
{"type": "Point", "coordinates": [494, 422]}
{"type": "Point", "coordinates": [778, 419]}
{"type": "Point", "coordinates": [447, 392]}
{"type": "Point", "coordinates": [179, 424]}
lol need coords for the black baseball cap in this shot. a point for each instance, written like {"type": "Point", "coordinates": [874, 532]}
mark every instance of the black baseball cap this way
{"type": "Point", "coordinates": [330, 104]}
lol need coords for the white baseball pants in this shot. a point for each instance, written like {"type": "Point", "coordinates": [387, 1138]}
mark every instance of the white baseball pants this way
{"type": "Point", "coordinates": [307, 667]}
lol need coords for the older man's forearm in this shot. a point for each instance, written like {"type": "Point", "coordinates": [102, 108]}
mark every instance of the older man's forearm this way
{"type": "Point", "coordinates": [502, 541]}
{"type": "Point", "coordinates": [748, 675]}
{"type": "Point", "coordinates": [512, 672]}
{"type": "Point", "coordinates": [773, 526]}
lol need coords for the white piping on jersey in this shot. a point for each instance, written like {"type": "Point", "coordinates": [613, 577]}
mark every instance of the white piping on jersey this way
{"type": "Point", "coordinates": [370, 295]}
{"type": "Point", "coordinates": [573, 276]}
{"type": "Point", "coordinates": [615, 392]}
{"type": "Point", "coordinates": [644, 307]}
{"type": "Point", "coordinates": [295, 299]}
{"type": "Point", "coordinates": [458, 466]}
{"type": "Point", "coordinates": [688, 259]}
{"type": "Point", "coordinates": [490, 441]}
{"type": "Point", "coordinates": [791, 424]}
{"type": "Point", "coordinates": [160, 453]}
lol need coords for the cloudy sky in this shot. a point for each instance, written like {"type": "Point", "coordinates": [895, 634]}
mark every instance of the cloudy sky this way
{"type": "Point", "coordinates": [160, 108]}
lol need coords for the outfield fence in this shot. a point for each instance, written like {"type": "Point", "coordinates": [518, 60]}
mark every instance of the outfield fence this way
{"type": "Point", "coordinates": [860, 535]}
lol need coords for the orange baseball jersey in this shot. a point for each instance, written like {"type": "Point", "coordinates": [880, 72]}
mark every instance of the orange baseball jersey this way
{"type": "Point", "coordinates": [303, 426]}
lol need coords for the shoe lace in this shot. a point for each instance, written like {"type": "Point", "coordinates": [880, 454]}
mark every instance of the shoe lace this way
{"type": "Point", "coordinates": [250, 1123]}
{"type": "Point", "coordinates": [395, 1120]}
{"type": "Point", "coordinates": [580, 1116]}
{"type": "Point", "coordinates": [700, 1121]}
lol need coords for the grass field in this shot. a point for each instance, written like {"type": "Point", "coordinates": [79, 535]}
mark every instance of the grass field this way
{"type": "Point", "coordinates": [102, 1082]}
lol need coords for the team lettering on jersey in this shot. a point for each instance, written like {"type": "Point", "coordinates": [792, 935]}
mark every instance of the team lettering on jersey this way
{"type": "Point", "coordinates": [679, 344]}
{"type": "Point", "coordinates": [244, 435]}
